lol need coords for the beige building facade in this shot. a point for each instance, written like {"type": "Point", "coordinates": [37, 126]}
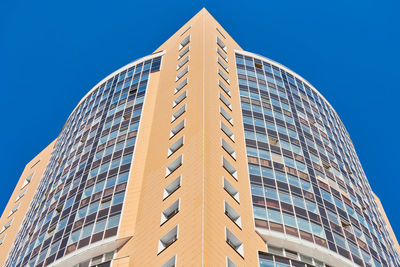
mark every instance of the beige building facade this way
{"type": "Point", "coordinates": [200, 154]}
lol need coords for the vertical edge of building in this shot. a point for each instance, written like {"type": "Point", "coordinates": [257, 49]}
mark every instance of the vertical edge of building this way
{"type": "Point", "coordinates": [386, 220]}
{"type": "Point", "coordinates": [181, 190]}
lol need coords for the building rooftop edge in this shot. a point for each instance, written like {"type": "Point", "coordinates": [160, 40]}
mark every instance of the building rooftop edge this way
{"type": "Point", "coordinates": [137, 61]}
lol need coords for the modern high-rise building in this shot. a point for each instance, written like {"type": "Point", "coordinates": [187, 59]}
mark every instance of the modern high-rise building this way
{"type": "Point", "coordinates": [200, 154]}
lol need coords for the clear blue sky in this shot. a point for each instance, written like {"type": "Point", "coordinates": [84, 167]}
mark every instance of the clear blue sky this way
{"type": "Point", "coordinates": [53, 52]}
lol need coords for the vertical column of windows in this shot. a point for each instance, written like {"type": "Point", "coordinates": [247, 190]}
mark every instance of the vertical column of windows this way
{"type": "Point", "coordinates": [170, 202]}
{"type": "Point", "coordinates": [228, 150]}
{"type": "Point", "coordinates": [23, 190]}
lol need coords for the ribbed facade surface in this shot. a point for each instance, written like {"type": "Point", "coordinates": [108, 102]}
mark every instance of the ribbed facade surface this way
{"type": "Point", "coordinates": [200, 154]}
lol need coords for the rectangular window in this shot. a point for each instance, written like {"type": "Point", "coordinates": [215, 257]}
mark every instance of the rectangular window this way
{"type": "Point", "coordinates": [223, 87]}
{"type": "Point", "coordinates": [27, 181]}
{"type": "Point", "coordinates": [173, 166]}
{"type": "Point", "coordinates": [170, 263]}
{"type": "Point", "coordinates": [179, 99]}
{"type": "Point", "coordinates": [233, 215]}
{"type": "Point", "coordinates": [183, 62]}
{"type": "Point", "coordinates": [182, 73]}
{"type": "Point", "coordinates": [172, 187]}
{"type": "Point", "coordinates": [228, 148]}
{"type": "Point", "coordinates": [230, 263]}
{"type": "Point", "coordinates": [225, 101]}
{"type": "Point", "coordinates": [222, 63]}
{"type": "Point", "coordinates": [20, 195]}
{"type": "Point", "coordinates": [340, 241]}
{"type": "Point", "coordinates": [184, 42]}
{"type": "Point", "coordinates": [34, 164]}
{"type": "Point", "coordinates": [223, 75]}
{"type": "Point", "coordinates": [169, 212]}
{"type": "Point", "coordinates": [188, 28]}
{"type": "Point", "coordinates": [6, 226]}
{"type": "Point", "coordinates": [218, 30]}
{"type": "Point", "coordinates": [14, 210]}
{"type": "Point", "coordinates": [234, 242]}
{"type": "Point", "coordinates": [177, 129]}
{"type": "Point", "coordinates": [183, 52]}
{"type": "Point", "coordinates": [181, 85]}
{"type": "Point", "coordinates": [229, 168]}
{"type": "Point", "coordinates": [113, 221]}
{"type": "Point", "coordinates": [227, 131]}
{"type": "Point", "coordinates": [178, 113]}
{"type": "Point", "coordinates": [100, 226]}
{"type": "Point", "coordinates": [174, 147]}
{"type": "Point", "coordinates": [226, 115]}
{"type": "Point", "coordinates": [168, 239]}
{"type": "Point", "coordinates": [221, 44]}
{"type": "Point", "coordinates": [87, 231]}
{"type": "Point", "coordinates": [231, 190]}
{"type": "Point", "coordinates": [222, 54]}
{"type": "Point", "coordinates": [275, 250]}
{"type": "Point", "coordinates": [74, 237]}
{"type": "Point", "coordinates": [63, 223]}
